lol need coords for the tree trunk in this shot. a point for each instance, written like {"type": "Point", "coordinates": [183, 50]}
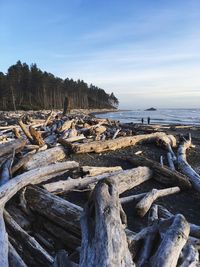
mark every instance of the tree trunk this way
{"type": "Point", "coordinates": [104, 241]}
{"type": "Point", "coordinates": [121, 142]}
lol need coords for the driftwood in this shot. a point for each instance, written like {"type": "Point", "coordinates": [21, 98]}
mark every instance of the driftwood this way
{"type": "Point", "coordinates": [103, 238]}
{"type": "Point", "coordinates": [145, 203]}
{"type": "Point", "coordinates": [45, 158]}
{"type": "Point", "coordinates": [21, 163]}
{"type": "Point", "coordinates": [60, 211]}
{"type": "Point", "coordinates": [62, 260]}
{"type": "Point", "coordinates": [161, 174]}
{"type": "Point", "coordinates": [37, 138]}
{"type": "Point", "coordinates": [150, 238]}
{"type": "Point", "coordinates": [34, 176]}
{"type": "Point", "coordinates": [92, 171]}
{"type": "Point", "coordinates": [166, 214]}
{"type": "Point", "coordinates": [184, 166]}
{"type": "Point", "coordinates": [7, 148]}
{"type": "Point", "coordinates": [172, 243]}
{"type": "Point", "coordinates": [126, 180]}
{"type": "Point", "coordinates": [3, 241]}
{"type": "Point", "coordinates": [121, 142]}
{"type": "Point", "coordinates": [16, 132]}
{"type": "Point", "coordinates": [14, 259]}
{"type": "Point", "coordinates": [66, 126]}
{"type": "Point", "coordinates": [65, 141]}
{"type": "Point", "coordinates": [190, 256]}
{"type": "Point", "coordinates": [26, 131]}
{"type": "Point", "coordinates": [26, 240]}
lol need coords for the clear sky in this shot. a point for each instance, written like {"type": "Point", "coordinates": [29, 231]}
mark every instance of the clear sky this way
{"type": "Point", "coordinates": [146, 51]}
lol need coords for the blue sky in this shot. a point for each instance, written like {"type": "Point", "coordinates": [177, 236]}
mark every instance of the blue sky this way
{"type": "Point", "coordinates": [146, 51]}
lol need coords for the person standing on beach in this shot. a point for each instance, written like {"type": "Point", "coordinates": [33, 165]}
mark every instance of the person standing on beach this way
{"type": "Point", "coordinates": [142, 120]}
{"type": "Point", "coordinates": [148, 120]}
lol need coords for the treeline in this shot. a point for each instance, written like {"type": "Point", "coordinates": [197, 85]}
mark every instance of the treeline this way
{"type": "Point", "coordinates": [27, 87]}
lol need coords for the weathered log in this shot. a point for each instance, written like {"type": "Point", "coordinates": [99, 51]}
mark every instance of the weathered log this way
{"type": "Point", "coordinates": [14, 259]}
{"type": "Point", "coordinates": [45, 158]}
{"type": "Point", "coordinates": [121, 142]}
{"type": "Point", "coordinates": [26, 131]}
{"type": "Point", "coordinates": [145, 203]}
{"type": "Point", "coordinates": [21, 162]}
{"type": "Point", "coordinates": [126, 179]}
{"type": "Point", "coordinates": [16, 133]}
{"type": "Point", "coordinates": [60, 211]}
{"type": "Point", "coordinates": [184, 166]}
{"type": "Point", "coordinates": [7, 148]}
{"type": "Point", "coordinates": [150, 239]}
{"type": "Point", "coordinates": [5, 172]}
{"type": "Point", "coordinates": [103, 238]}
{"type": "Point", "coordinates": [3, 241]}
{"type": "Point", "coordinates": [166, 214]}
{"type": "Point", "coordinates": [92, 171]}
{"type": "Point", "coordinates": [69, 240]}
{"type": "Point", "coordinates": [161, 174]}
{"type": "Point", "coordinates": [66, 126]}
{"type": "Point", "coordinates": [124, 200]}
{"type": "Point", "coordinates": [190, 256]}
{"type": "Point", "coordinates": [32, 177]}
{"type": "Point", "coordinates": [48, 118]}
{"type": "Point", "coordinates": [37, 137]}
{"type": "Point", "coordinates": [170, 161]}
{"type": "Point", "coordinates": [26, 240]}
{"type": "Point", "coordinates": [172, 243]}
{"type": "Point", "coordinates": [66, 141]}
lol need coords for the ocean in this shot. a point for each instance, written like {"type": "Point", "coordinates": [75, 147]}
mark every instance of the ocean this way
{"type": "Point", "coordinates": [160, 116]}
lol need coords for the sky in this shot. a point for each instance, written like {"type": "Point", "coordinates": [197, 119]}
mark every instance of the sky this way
{"type": "Point", "coordinates": [145, 51]}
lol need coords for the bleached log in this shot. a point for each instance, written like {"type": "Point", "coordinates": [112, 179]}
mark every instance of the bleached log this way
{"type": "Point", "coordinates": [170, 161]}
{"type": "Point", "coordinates": [126, 179]}
{"type": "Point", "coordinates": [66, 125]}
{"type": "Point", "coordinates": [60, 211]}
{"type": "Point", "coordinates": [190, 256]}
{"type": "Point", "coordinates": [14, 259]}
{"type": "Point", "coordinates": [104, 241]}
{"type": "Point", "coordinates": [121, 142]}
{"type": "Point", "coordinates": [166, 214]}
{"type": "Point", "coordinates": [26, 240]}
{"type": "Point", "coordinates": [161, 174]}
{"type": "Point", "coordinates": [65, 142]}
{"type": "Point", "coordinates": [37, 137]}
{"type": "Point", "coordinates": [45, 158]}
{"type": "Point", "coordinates": [172, 243]}
{"type": "Point", "coordinates": [184, 166]}
{"type": "Point", "coordinates": [32, 177]}
{"type": "Point", "coordinates": [145, 203]}
{"type": "Point", "coordinates": [124, 200]}
{"type": "Point", "coordinates": [150, 238]}
{"type": "Point", "coordinates": [21, 163]}
{"type": "Point", "coordinates": [26, 131]}
{"type": "Point", "coordinates": [3, 241]}
{"type": "Point", "coordinates": [92, 171]}
{"type": "Point", "coordinates": [7, 148]}
{"type": "Point", "coordinates": [48, 118]}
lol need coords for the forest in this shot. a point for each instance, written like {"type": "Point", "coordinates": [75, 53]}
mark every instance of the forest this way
{"type": "Point", "coordinates": [26, 87]}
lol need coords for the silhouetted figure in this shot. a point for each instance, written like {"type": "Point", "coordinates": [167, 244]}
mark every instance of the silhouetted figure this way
{"type": "Point", "coordinates": [148, 120]}
{"type": "Point", "coordinates": [142, 120]}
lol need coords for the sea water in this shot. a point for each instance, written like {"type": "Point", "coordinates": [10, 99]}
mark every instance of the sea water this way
{"type": "Point", "coordinates": [160, 116]}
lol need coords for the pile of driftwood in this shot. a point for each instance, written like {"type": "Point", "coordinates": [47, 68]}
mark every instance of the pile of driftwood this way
{"type": "Point", "coordinates": [39, 227]}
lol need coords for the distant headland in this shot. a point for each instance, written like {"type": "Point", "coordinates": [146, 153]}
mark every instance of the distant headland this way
{"type": "Point", "coordinates": [150, 109]}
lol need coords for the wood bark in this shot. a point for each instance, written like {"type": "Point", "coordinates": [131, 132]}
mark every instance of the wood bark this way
{"type": "Point", "coordinates": [172, 243]}
{"type": "Point", "coordinates": [32, 177]}
{"type": "Point", "coordinates": [126, 180]}
{"type": "Point", "coordinates": [29, 242]}
{"type": "Point", "coordinates": [161, 174]}
{"type": "Point", "coordinates": [184, 166]}
{"type": "Point", "coordinates": [121, 142]}
{"type": "Point", "coordinates": [7, 148]}
{"type": "Point", "coordinates": [45, 158]}
{"type": "Point", "coordinates": [104, 241]}
{"type": "Point", "coordinates": [145, 203]}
